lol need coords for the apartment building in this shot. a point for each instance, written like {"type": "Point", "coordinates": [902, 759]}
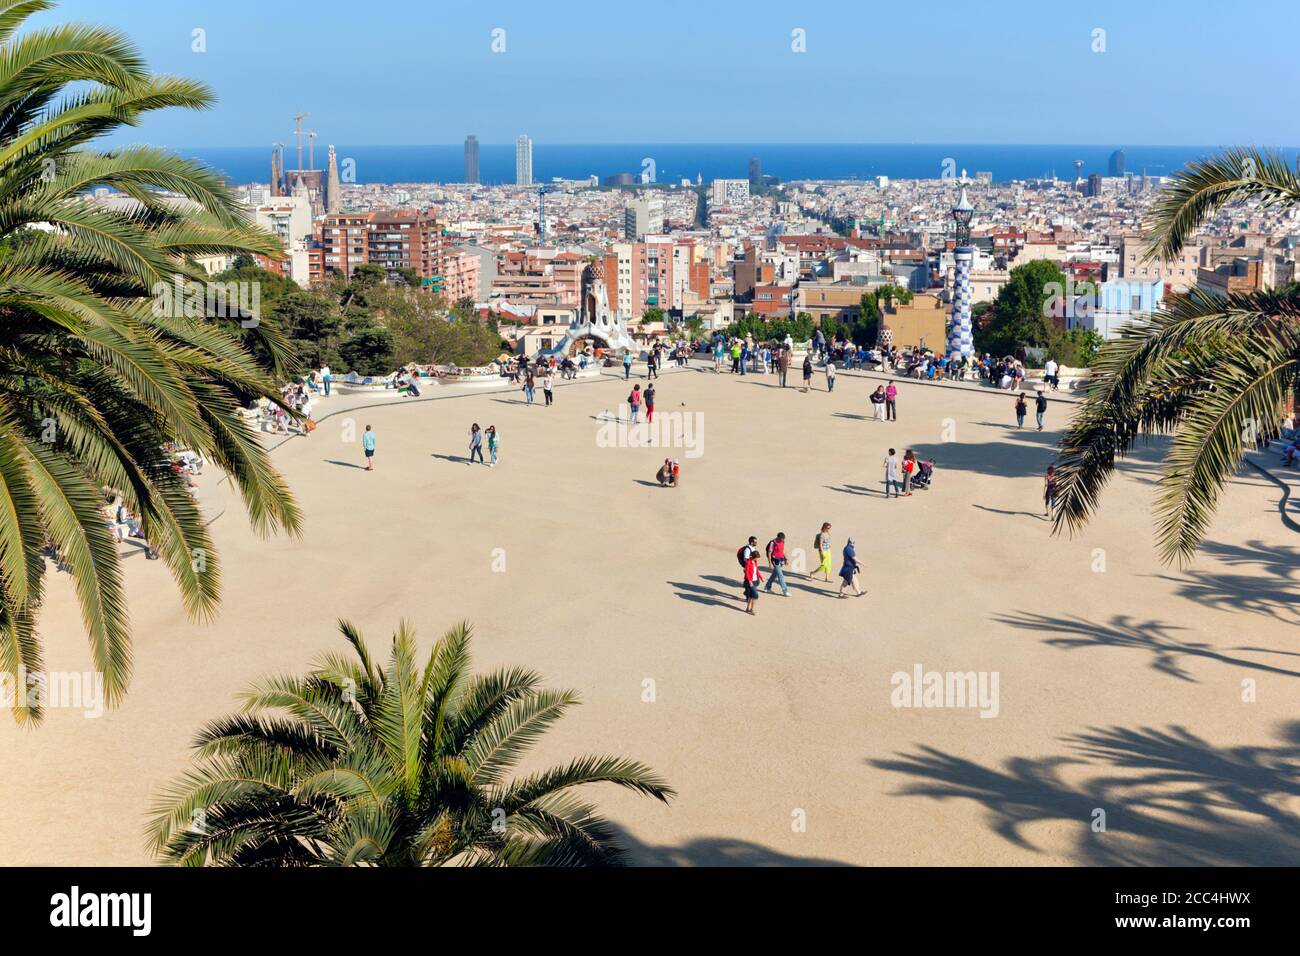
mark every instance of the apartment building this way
{"type": "Point", "coordinates": [1178, 275]}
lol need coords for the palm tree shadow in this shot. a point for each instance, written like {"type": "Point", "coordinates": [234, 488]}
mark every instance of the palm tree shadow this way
{"type": "Point", "coordinates": [1169, 797]}
{"type": "Point", "coordinates": [1155, 637]}
{"type": "Point", "coordinates": [1272, 590]}
{"type": "Point", "coordinates": [711, 851]}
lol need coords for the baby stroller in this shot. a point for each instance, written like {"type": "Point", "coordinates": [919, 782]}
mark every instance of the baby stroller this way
{"type": "Point", "coordinates": [924, 472]}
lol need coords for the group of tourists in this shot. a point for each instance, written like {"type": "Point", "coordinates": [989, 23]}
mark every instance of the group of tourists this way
{"type": "Point", "coordinates": [1040, 409]}
{"type": "Point", "coordinates": [884, 403]}
{"type": "Point", "coordinates": [777, 560]}
{"type": "Point", "coordinates": [478, 438]}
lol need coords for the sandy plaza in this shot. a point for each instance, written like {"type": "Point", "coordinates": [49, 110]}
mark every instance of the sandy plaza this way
{"type": "Point", "coordinates": [1127, 712]}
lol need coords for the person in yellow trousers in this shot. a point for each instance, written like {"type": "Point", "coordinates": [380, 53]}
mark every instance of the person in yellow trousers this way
{"type": "Point", "coordinates": [823, 545]}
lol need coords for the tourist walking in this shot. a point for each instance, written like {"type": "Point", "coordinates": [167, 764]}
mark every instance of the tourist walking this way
{"type": "Point", "coordinates": [735, 357]}
{"type": "Point", "coordinates": [650, 403]}
{"type": "Point", "coordinates": [475, 444]}
{"type": "Point", "coordinates": [530, 387]}
{"type": "Point", "coordinates": [627, 365]}
{"type": "Point", "coordinates": [807, 372]}
{"type": "Point", "coordinates": [1040, 408]}
{"type": "Point", "coordinates": [1049, 490]}
{"type": "Point", "coordinates": [493, 443]}
{"type": "Point", "coordinates": [893, 474]}
{"type": "Point", "coordinates": [548, 384]}
{"type": "Point", "coordinates": [326, 379]}
{"type": "Point", "coordinates": [753, 578]}
{"type": "Point", "coordinates": [891, 402]}
{"type": "Point", "coordinates": [909, 467]}
{"type": "Point", "coordinates": [634, 403]}
{"type": "Point", "coordinates": [1021, 408]}
{"type": "Point", "coordinates": [776, 561]}
{"type": "Point", "coordinates": [719, 351]}
{"type": "Point", "coordinates": [652, 363]}
{"type": "Point", "coordinates": [1050, 374]}
{"type": "Point", "coordinates": [849, 569]}
{"type": "Point", "coordinates": [368, 445]}
{"type": "Point", "coordinates": [822, 542]}
{"type": "Point", "coordinates": [878, 403]}
{"type": "Point", "coordinates": [830, 375]}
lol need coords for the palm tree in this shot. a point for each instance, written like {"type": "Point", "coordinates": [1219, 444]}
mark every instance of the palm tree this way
{"type": "Point", "coordinates": [94, 379]}
{"type": "Point", "coordinates": [357, 766]}
{"type": "Point", "coordinates": [1213, 372]}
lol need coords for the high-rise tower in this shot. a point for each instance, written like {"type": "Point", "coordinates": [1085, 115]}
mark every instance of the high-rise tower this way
{"type": "Point", "coordinates": [333, 192]}
{"type": "Point", "coordinates": [1116, 166]}
{"type": "Point", "coordinates": [523, 161]}
{"type": "Point", "coordinates": [471, 159]}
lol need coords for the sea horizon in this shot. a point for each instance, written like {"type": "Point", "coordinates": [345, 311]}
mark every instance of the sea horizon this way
{"type": "Point", "coordinates": [672, 162]}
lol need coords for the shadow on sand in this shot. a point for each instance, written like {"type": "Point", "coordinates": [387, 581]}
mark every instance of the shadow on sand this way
{"type": "Point", "coordinates": [1170, 798]}
{"type": "Point", "coordinates": [711, 851]}
{"type": "Point", "coordinates": [343, 464]}
{"type": "Point", "coordinates": [1155, 638]}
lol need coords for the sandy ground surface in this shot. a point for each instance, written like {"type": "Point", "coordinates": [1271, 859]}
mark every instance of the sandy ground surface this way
{"type": "Point", "coordinates": [1121, 682]}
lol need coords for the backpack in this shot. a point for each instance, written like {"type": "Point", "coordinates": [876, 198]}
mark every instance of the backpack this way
{"type": "Point", "coordinates": [817, 541]}
{"type": "Point", "coordinates": [740, 554]}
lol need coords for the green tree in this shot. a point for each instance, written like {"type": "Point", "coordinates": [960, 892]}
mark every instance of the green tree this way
{"type": "Point", "coordinates": [1020, 311]}
{"type": "Point", "coordinates": [369, 350]}
{"type": "Point", "coordinates": [362, 765]}
{"type": "Point", "coordinates": [1211, 371]}
{"type": "Point", "coordinates": [100, 365]}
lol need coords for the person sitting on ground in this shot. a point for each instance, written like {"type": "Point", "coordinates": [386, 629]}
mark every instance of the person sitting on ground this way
{"type": "Point", "coordinates": [670, 474]}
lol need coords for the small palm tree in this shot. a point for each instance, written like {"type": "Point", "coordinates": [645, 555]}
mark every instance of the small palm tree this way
{"type": "Point", "coordinates": [357, 766]}
{"type": "Point", "coordinates": [1213, 372]}
{"type": "Point", "coordinates": [94, 378]}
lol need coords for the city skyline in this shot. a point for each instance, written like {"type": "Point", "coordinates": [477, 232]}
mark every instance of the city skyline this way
{"type": "Point", "coordinates": [1127, 83]}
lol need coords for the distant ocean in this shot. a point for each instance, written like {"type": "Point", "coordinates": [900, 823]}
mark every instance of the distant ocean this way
{"type": "Point", "coordinates": [676, 161]}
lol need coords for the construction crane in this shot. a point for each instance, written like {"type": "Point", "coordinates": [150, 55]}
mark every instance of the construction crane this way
{"type": "Point", "coordinates": [311, 149]}
{"type": "Point", "coordinates": [298, 125]}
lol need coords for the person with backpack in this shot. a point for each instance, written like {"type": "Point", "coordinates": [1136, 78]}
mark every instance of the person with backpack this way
{"type": "Point", "coordinates": [743, 553]}
{"type": "Point", "coordinates": [650, 403]}
{"type": "Point", "coordinates": [1021, 408]}
{"type": "Point", "coordinates": [822, 542]}
{"type": "Point", "coordinates": [634, 403]}
{"type": "Point", "coordinates": [1040, 408]}
{"type": "Point", "coordinates": [776, 561]}
{"type": "Point", "coordinates": [753, 578]}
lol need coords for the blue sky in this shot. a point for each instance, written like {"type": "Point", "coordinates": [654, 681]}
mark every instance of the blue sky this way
{"type": "Point", "coordinates": [1009, 71]}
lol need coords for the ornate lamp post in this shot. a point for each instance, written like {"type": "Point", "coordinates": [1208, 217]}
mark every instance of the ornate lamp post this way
{"type": "Point", "coordinates": [961, 343]}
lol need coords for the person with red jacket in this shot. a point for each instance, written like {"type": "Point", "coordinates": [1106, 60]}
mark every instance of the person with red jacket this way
{"type": "Point", "coordinates": [753, 578]}
{"type": "Point", "coordinates": [776, 561]}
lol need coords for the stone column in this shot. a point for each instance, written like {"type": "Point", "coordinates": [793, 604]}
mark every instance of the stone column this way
{"type": "Point", "coordinates": [961, 343]}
